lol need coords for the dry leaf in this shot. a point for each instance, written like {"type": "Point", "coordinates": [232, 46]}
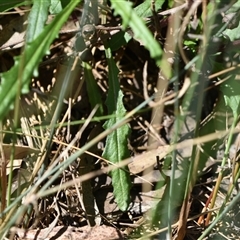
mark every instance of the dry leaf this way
{"type": "Point", "coordinates": [148, 159]}
{"type": "Point", "coordinates": [19, 151]}
{"type": "Point", "coordinates": [12, 32]}
{"type": "Point", "coordinates": [16, 164]}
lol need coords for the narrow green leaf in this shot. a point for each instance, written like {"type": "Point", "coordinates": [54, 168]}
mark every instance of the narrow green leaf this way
{"type": "Point", "coordinates": [141, 32]}
{"type": "Point", "coordinates": [116, 144]}
{"type": "Point", "coordinates": [115, 151]}
{"type": "Point", "coordinates": [25, 65]}
{"type": "Point", "coordinates": [37, 19]}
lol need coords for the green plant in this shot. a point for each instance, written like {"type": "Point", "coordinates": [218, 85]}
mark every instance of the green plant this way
{"type": "Point", "coordinates": [189, 52]}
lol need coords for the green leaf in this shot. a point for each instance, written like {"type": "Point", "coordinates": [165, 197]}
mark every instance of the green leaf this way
{"type": "Point", "coordinates": [55, 7]}
{"type": "Point", "coordinates": [116, 144]}
{"type": "Point", "coordinates": [118, 40]}
{"type": "Point", "coordinates": [5, 5]}
{"type": "Point", "coordinates": [233, 34]}
{"type": "Point", "coordinates": [20, 74]}
{"type": "Point", "coordinates": [144, 9]}
{"type": "Point", "coordinates": [141, 32]}
{"type": "Point", "coordinates": [231, 92]}
{"type": "Point", "coordinates": [115, 151]}
{"type": "Point", "coordinates": [233, 14]}
{"type": "Point", "coordinates": [234, 8]}
{"type": "Point", "coordinates": [37, 19]}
